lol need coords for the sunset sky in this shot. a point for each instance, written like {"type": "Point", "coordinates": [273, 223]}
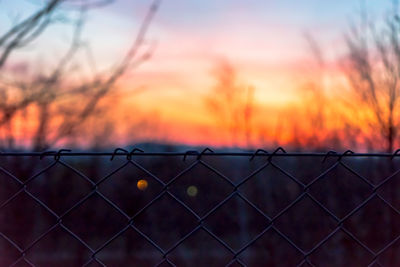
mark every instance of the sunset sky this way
{"type": "Point", "coordinates": [264, 41]}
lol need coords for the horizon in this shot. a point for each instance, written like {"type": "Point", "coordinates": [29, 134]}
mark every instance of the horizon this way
{"type": "Point", "coordinates": [267, 46]}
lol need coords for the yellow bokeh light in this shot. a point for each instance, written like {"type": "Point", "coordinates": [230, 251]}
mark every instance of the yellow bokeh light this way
{"type": "Point", "coordinates": [192, 191]}
{"type": "Point", "coordinates": [142, 184]}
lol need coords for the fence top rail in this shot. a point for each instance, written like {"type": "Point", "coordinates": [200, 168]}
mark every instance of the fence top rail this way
{"type": "Point", "coordinates": [192, 153]}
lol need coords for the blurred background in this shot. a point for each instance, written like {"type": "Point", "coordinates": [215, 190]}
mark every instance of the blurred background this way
{"type": "Point", "coordinates": [170, 75]}
{"type": "Point", "coordinates": [94, 73]}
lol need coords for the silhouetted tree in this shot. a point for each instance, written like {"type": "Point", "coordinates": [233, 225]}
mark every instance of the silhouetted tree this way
{"type": "Point", "coordinates": [232, 103]}
{"type": "Point", "coordinates": [373, 71]}
{"type": "Point", "coordinates": [57, 102]}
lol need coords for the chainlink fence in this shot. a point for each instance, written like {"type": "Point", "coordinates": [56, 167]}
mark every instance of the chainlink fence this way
{"type": "Point", "coordinates": [199, 208]}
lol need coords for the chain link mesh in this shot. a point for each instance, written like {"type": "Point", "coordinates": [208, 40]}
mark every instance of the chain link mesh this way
{"type": "Point", "coordinates": [235, 205]}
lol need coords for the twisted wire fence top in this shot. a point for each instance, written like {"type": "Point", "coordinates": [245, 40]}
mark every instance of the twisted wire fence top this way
{"type": "Point", "coordinates": [199, 206]}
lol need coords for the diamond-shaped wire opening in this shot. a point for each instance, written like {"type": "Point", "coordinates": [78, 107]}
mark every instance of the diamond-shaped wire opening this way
{"type": "Point", "coordinates": [58, 248]}
{"type": "Point", "coordinates": [130, 249]}
{"type": "Point", "coordinates": [200, 249]}
{"type": "Point", "coordinates": [94, 263]}
{"type": "Point", "coordinates": [60, 187]}
{"type": "Point", "coordinates": [236, 222]}
{"type": "Point", "coordinates": [271, 250]}
{"type": "Point", "coordinates": [166, 263]}
{"type": "Point", "coordinates": [374, 169]}
{"type": "Point", "coordinates": [97, 167]}
{"type": "Point", "coordinates": [130, 188]}
{"type": "Point", "coordinates": [165, 168]}
{"type": "Point", "coordinates": [306, 264]}
{"type": "Point", "coordinates": [234, 264]}
{"type": "Point", "coordinates": [25, 167]}
{"type": "Point", "coordinates": [22, 263]}
{"type": "Point", "coordinates": [91, 167]}
{"type": "Point", "coordinates": [23, 220]}
{"type": "Point", "coordinates": [9, 185]}
{"type": "Point", "coordinates": [9, 254]}
{"type": "Point", "coordinates": [165, 221]}
{"type": "Point", "coordinates": [305, 224]}
{"type": "Point", "coordinates": [340, 190]}
{"type": "Point", "coordinates": [305, 168]}
{"type": "Point", "coordinates": [341, 250]}
{"type": "Point", "coordinates": [95, 221]}
{"type": "Point", "coordinates": [391, 255]}
{"type": "Point", "coordinates": [388, 190]}
{"type": "Point", "coordinates": [374, 224]}
{"type": "Point", "coordinates": [201, 188]}
{"type": "Point", "coordinates": [243, 165]}
{"type": "Point", "coordinates": [271, 190]}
